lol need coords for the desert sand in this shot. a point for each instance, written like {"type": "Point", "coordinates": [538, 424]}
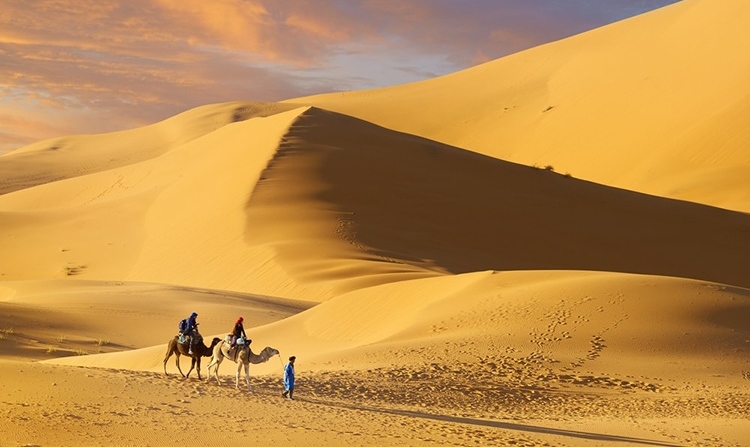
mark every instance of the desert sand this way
{"type": "Point", "coordinates": [549, 249]}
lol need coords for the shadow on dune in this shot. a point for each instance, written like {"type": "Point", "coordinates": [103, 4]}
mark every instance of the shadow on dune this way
{"type": "Point", "coordinates": [529, 428]}
{"type": "Point", "coordinates": [501, 425]}
{"type": "Point", "coordinates": [405, 199]}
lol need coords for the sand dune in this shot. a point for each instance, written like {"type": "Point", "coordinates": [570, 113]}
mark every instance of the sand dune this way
{"type": "Point", "coordinates": [405, 201]}
{"type": "Point", "coordinates": [538, 353]}
{"type": "Point", "coordinates": [54, 318]}
{"type": "Point", "coordinates": [656, 104]}
{"type": "Point", "coordinates": [572, 323]}
{"type": "Point", "coordinates": [419, 248]}
{"type": "Point", "coordinates": [388, 206]}
{"type": "Point", "coordinates": [61, 158]}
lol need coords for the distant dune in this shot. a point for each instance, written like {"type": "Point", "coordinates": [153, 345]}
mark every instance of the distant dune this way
{"type": "Point", "coordinates": [547, 249]}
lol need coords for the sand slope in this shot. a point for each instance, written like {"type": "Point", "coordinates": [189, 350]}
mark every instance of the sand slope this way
{"type": "Point", "coordinates": [436, 289]}
{"type": "Point", "coordinates": [657, 103]}
{"type": "Point", "coordinates": [50, 319]}
{"type": "Point", "coordinates": [562, 322]}
{"type": "Point", "coordinates": [522, 357]}
{"type": "Point", "coordinates": [388, 206]}
{"type": "Point", "coordinates": [61, 158]}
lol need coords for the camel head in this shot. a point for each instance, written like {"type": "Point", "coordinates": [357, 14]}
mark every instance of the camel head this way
{"type": "Point", "coordinates": [263, 357]}
{"type": "Point", "coordinates": [269, 352]}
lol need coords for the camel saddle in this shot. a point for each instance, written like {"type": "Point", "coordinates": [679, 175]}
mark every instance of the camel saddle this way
{"type": "Point", "coordinates": [185, 339]}
{"type": "Point", "coordinates": [234, 351]}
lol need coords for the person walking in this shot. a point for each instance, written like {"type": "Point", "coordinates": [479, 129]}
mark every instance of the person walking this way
{"type": "Point", "coordinates": [289, 379]}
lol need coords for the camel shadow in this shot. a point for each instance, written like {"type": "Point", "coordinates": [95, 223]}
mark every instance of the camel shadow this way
{"type": "Point", "coordinates": [500, 424]}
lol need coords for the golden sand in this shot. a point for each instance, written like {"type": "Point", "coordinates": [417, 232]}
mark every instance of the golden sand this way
{"type": "Point", "coordinates": [549, 249]}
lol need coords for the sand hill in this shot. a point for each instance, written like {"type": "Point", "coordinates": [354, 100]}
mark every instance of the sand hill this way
{"type": "Point", "coordinates": [657, 104]}
{"type": "Point", "coordinates": [547, 249]}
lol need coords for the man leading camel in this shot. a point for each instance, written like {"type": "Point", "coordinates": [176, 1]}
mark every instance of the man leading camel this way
{"type": "Point", "coordinates": [289, 379]}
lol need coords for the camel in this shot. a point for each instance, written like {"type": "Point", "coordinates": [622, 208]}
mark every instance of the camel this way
{"type": "Point", "coordinates": [245, 357]}
{"type": "Point", "coordinates": [199, 350]}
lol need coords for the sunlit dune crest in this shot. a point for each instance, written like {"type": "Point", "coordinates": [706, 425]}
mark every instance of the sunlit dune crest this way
{"type": "Point", "coordinates": [657, 104]}
{"type": "Point", "coordinates": [61, 158]}
{"type": "Point", "coordinates": [547, 249]}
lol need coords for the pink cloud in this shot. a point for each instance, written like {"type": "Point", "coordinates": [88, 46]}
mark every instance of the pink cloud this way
{"type": "Point", "coordinates": [113, 65]}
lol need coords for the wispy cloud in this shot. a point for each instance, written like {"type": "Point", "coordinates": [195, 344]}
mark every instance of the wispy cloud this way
{"type": "Point", "coordinates": [88, 66]}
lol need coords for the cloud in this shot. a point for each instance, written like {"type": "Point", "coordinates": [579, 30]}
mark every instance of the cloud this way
{"type": "Point", "coordinates": [118, 64]}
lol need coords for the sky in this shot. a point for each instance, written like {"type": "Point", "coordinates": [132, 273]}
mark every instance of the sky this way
{"type": "Point", "coordinates": [72, 67]}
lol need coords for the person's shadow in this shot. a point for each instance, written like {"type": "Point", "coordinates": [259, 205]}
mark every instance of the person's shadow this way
{"type": "Point", "coordinates": [501, 424]}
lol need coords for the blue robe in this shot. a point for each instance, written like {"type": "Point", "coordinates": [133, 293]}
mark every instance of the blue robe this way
{"type": "Point", "coordinates": [191, 325]}
{"type": "Point", "coordinates": [289, 376]}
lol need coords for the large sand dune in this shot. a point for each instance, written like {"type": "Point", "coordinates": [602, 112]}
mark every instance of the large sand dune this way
{"type": "Point", "coordinates": [658, 104]}
{"type": "Point", "coordinates": [419, 248]}
{"type": "Point", "coordinates": [254, 199]}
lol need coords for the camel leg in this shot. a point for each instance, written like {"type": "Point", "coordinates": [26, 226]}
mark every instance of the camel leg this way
{"type": "Point", "coordinates": [198, 367]}
{"type": "Point", "coordinates": [217, 363]}
{"type": "Point", "coordinates": [247, 376]}
{"type": "Point", "coordinates": [169, 354]}
{"type": "Point", "coordinates": [239, 370]}
{"type": "Point", "coordinates": [177, 362]}
{"type": "Point", "coordinates": [240, 365]}
{"type": "Point", "coordinates": [208, 369]}
{"type": "Point", "coordinates": [192, 366]}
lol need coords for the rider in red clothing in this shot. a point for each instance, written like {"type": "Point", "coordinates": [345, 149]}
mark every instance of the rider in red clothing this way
{"type": "Point", "coordinates": [237, 332]}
